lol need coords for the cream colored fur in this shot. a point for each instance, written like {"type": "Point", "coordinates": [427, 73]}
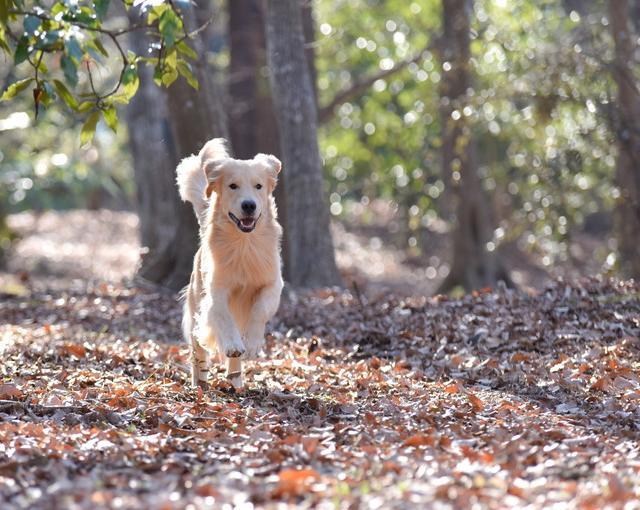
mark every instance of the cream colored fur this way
{"type": "Point", "coordinates": [236, 281]}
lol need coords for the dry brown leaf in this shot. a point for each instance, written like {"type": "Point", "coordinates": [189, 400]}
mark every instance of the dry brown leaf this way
{"type": "Point", "coordinates": [452, 388]}
{"type": "Point", "coordinates": [76, 350]}
{"type": "Point", "coordinates": [419, 440]}
{"type": "Point", "coordinates": [476, 403]}
{"type": "Point", "coordinates": [9, 391]}
{"type": "Point", "coordinates": [295, 482]}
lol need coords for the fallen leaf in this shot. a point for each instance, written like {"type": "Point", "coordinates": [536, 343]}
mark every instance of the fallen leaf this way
{"type": "Point", "coordinates": [295, 482]}
{"type": "Point", "coordinates": [419, 440]}
{"type": "Point", "coordinates": [9, 391]}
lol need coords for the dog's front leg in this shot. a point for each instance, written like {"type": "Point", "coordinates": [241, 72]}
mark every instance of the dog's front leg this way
{"type": "Point", "coordinates": [227, 334]}
{"type": "Point", "coordinates": [265, 306]}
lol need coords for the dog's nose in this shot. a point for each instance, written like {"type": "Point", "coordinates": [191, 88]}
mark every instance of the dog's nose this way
{"type": "Point", "coordinates": [248, 206]}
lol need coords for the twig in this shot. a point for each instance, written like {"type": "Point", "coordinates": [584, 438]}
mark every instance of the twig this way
{"type": "Point", "coordinates": [106, 31]}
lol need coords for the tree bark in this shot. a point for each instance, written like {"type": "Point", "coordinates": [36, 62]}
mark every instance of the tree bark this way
{"type": "Point", "coordinates": [248, 58]}
{"type": "Point", "coordinates": [252, 122]}
{"type": "Point", "coordinates": [475, 263]}
{"type": "Point", "coordinates": [163, 128]}
{"type": "Point", "coordinates": [311, 259]}
{"type": "Point", "coordinates": [627, 127]}
{"type": "Point", "coordinates": [309, 34]}
{"type": "Point", "coordinates": [154, 167]}
{"type": "Point", "coordinates": [196, 116]}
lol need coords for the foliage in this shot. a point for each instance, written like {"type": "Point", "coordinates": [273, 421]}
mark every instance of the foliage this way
{"type": "Point", "coordinates": [62, 48]}
{"type": "Point", "coordinates": [539, 115]}
{"type": "Point", "coordinates": [42, 168]}
{"type": "Point", "coordinates": [540, 108]}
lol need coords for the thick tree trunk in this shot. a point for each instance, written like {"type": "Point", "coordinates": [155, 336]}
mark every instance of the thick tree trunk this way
{"type": "Point", "coordinates": [252, 123]}
{"type": "Point", "coordinates": [309, 33]}
{"type": "Point", "coordinates": [154, 168]}
{"type": "Point", "coordinates": [248, 58]}
{"type": "Point", "coordinates": [475, 262]}
{"type": "Point", "coordinates": [196, 116]}
{"type": "Point", "coordinates": [163, 129]}
{"type": "Point", "coordinates": [627, 128]}
{"type": "Point", "coordinates": [311, 259]}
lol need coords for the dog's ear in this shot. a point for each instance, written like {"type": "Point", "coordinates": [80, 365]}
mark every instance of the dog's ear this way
{"type": "Point", "coordinates": [273, 167]}
{"type": "Point", "coordinates": [213, 169]}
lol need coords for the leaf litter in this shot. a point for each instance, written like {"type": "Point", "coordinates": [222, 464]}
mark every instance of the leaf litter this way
{"type": "Point", "coordinates": [499, 399]}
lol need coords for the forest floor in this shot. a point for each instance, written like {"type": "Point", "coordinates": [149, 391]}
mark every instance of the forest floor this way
{"type": "Point", "coordinates": [497, 399]}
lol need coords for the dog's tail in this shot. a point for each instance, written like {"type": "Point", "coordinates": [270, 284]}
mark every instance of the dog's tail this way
{"type": "Point", "coordinates": [191, 179]}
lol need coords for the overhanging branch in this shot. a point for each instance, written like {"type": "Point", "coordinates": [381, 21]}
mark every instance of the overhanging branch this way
{"type": "Point", "coordinates": [362, 85]}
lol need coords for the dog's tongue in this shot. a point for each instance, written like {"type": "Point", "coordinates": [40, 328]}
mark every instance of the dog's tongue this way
{"type": "Point", "coordinates": [246, 222]}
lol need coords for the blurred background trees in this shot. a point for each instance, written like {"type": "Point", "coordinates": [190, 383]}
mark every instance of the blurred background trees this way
{"type": "Point", "coordinates": [481, 139]}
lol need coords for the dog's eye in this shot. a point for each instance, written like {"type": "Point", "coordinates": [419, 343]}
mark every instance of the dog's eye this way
{"type": "Point", "coordinates": [258, 186]}
{"type": "Point", "coordinates": [233, 186]}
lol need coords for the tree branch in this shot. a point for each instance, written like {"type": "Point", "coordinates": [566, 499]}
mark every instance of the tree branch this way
{"type": "Point", "coordinates": [106, 31]}
{"type": "Point", "coordinates": [361, 86]}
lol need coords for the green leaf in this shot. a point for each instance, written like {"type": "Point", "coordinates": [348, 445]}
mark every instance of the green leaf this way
{"type": "Point", "coordinates": [22, 50]}
{"type": "Point", "coordinates": [130, 81]}
{"type": "Point", "coordinates": [58, 8]}
{"type": "Point", "coordinates": [64, 93]}
{"type": "Point", "coordinates": [120, 99]}
{"type": "Point", "coordinates": [73, 48]}
{"type": "Point", "coordinates": [101, 7]}
{"type": "Point", "coordinates": [47, 97]}
{"type": "Point", "coordinates": [50, 40]}
{"type": "Point", "coordinates": [89, 128]}
{"type": "Point", "coordinates": [111, 118]}
{"type": "Point", "coordinates": [171, 58]}
{"type": "Point", "coordinates": [31, 24]}
{"type": "Point", "coordinates": [15, 89]}
{"type": "Point", "coordinates": [100, 47]}
{"type": "Point", "coordinates": [185, 71]}
{"type": "Point", "coordinates": [169, 76]}
{"type": "Point", "coordinates": [84, 15]}
{"type": "Point", "coordinates": [70, 71]}
{"type": "Point", "coordinates": [85, 106]}
{"type": "Point", "coordinates": [186, 50]}
{"type": "Point", "coordinates": [156, 12]}
{"type": "Point", "coordinates": [3, 40]}
{"type": "Point", "coordinates": [169, 26]}
{"type": "Point", "coordinates": [157, 76]}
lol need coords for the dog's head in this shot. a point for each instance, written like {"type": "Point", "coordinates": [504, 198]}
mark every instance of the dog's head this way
{"type": "Point", "coordinates": [242, 187]}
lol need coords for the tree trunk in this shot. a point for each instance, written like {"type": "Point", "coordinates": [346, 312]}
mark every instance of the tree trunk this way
{"type": "Point", "coordinates": [309, 33]}
{"type": "Point", "coordinates": [196, 116]}
{"type": "Point", "coordinates": [248, 58]}
{"type": "Point", "coordinates": [154, 168]}
{"type": "Point", "coordinates": [253, 125]}
{"type": "Point", "coordinates": [475, 262]}
{"type": "Point", "coordinates": [627, 127]}
{"type": "Point", "coordinates": [163, 129]}
{"type": "Point", "coordinates": [311, 259]}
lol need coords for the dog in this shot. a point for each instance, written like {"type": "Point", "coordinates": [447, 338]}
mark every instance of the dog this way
{"type": "Point", "coordinates": [236, 281]}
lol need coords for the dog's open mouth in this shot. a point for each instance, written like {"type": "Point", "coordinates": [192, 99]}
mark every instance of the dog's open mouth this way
{"type": "Point", "coordinates": [246, 224]}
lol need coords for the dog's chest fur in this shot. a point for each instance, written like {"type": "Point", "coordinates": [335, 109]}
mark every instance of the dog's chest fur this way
{"type": "Point", "coordinates": [245, 260]}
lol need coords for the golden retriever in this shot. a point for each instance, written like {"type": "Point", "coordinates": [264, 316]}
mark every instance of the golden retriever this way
{"type": "Point", "coordinates": [236, 280]}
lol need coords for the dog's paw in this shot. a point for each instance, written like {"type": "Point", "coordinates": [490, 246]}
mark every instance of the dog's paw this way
{"type": "Point", "coordinates": [254, 346]}
{"type": "Point", "coordinates": [234, 352]}
{"type": "Point", "coordinates": [254, 339]}
{"type": "Point", "coordinates": [233, 347]}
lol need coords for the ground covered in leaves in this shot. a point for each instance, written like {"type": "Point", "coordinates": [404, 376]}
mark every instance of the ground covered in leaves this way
{"type": "Point", "coordinates": [499, 399]}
